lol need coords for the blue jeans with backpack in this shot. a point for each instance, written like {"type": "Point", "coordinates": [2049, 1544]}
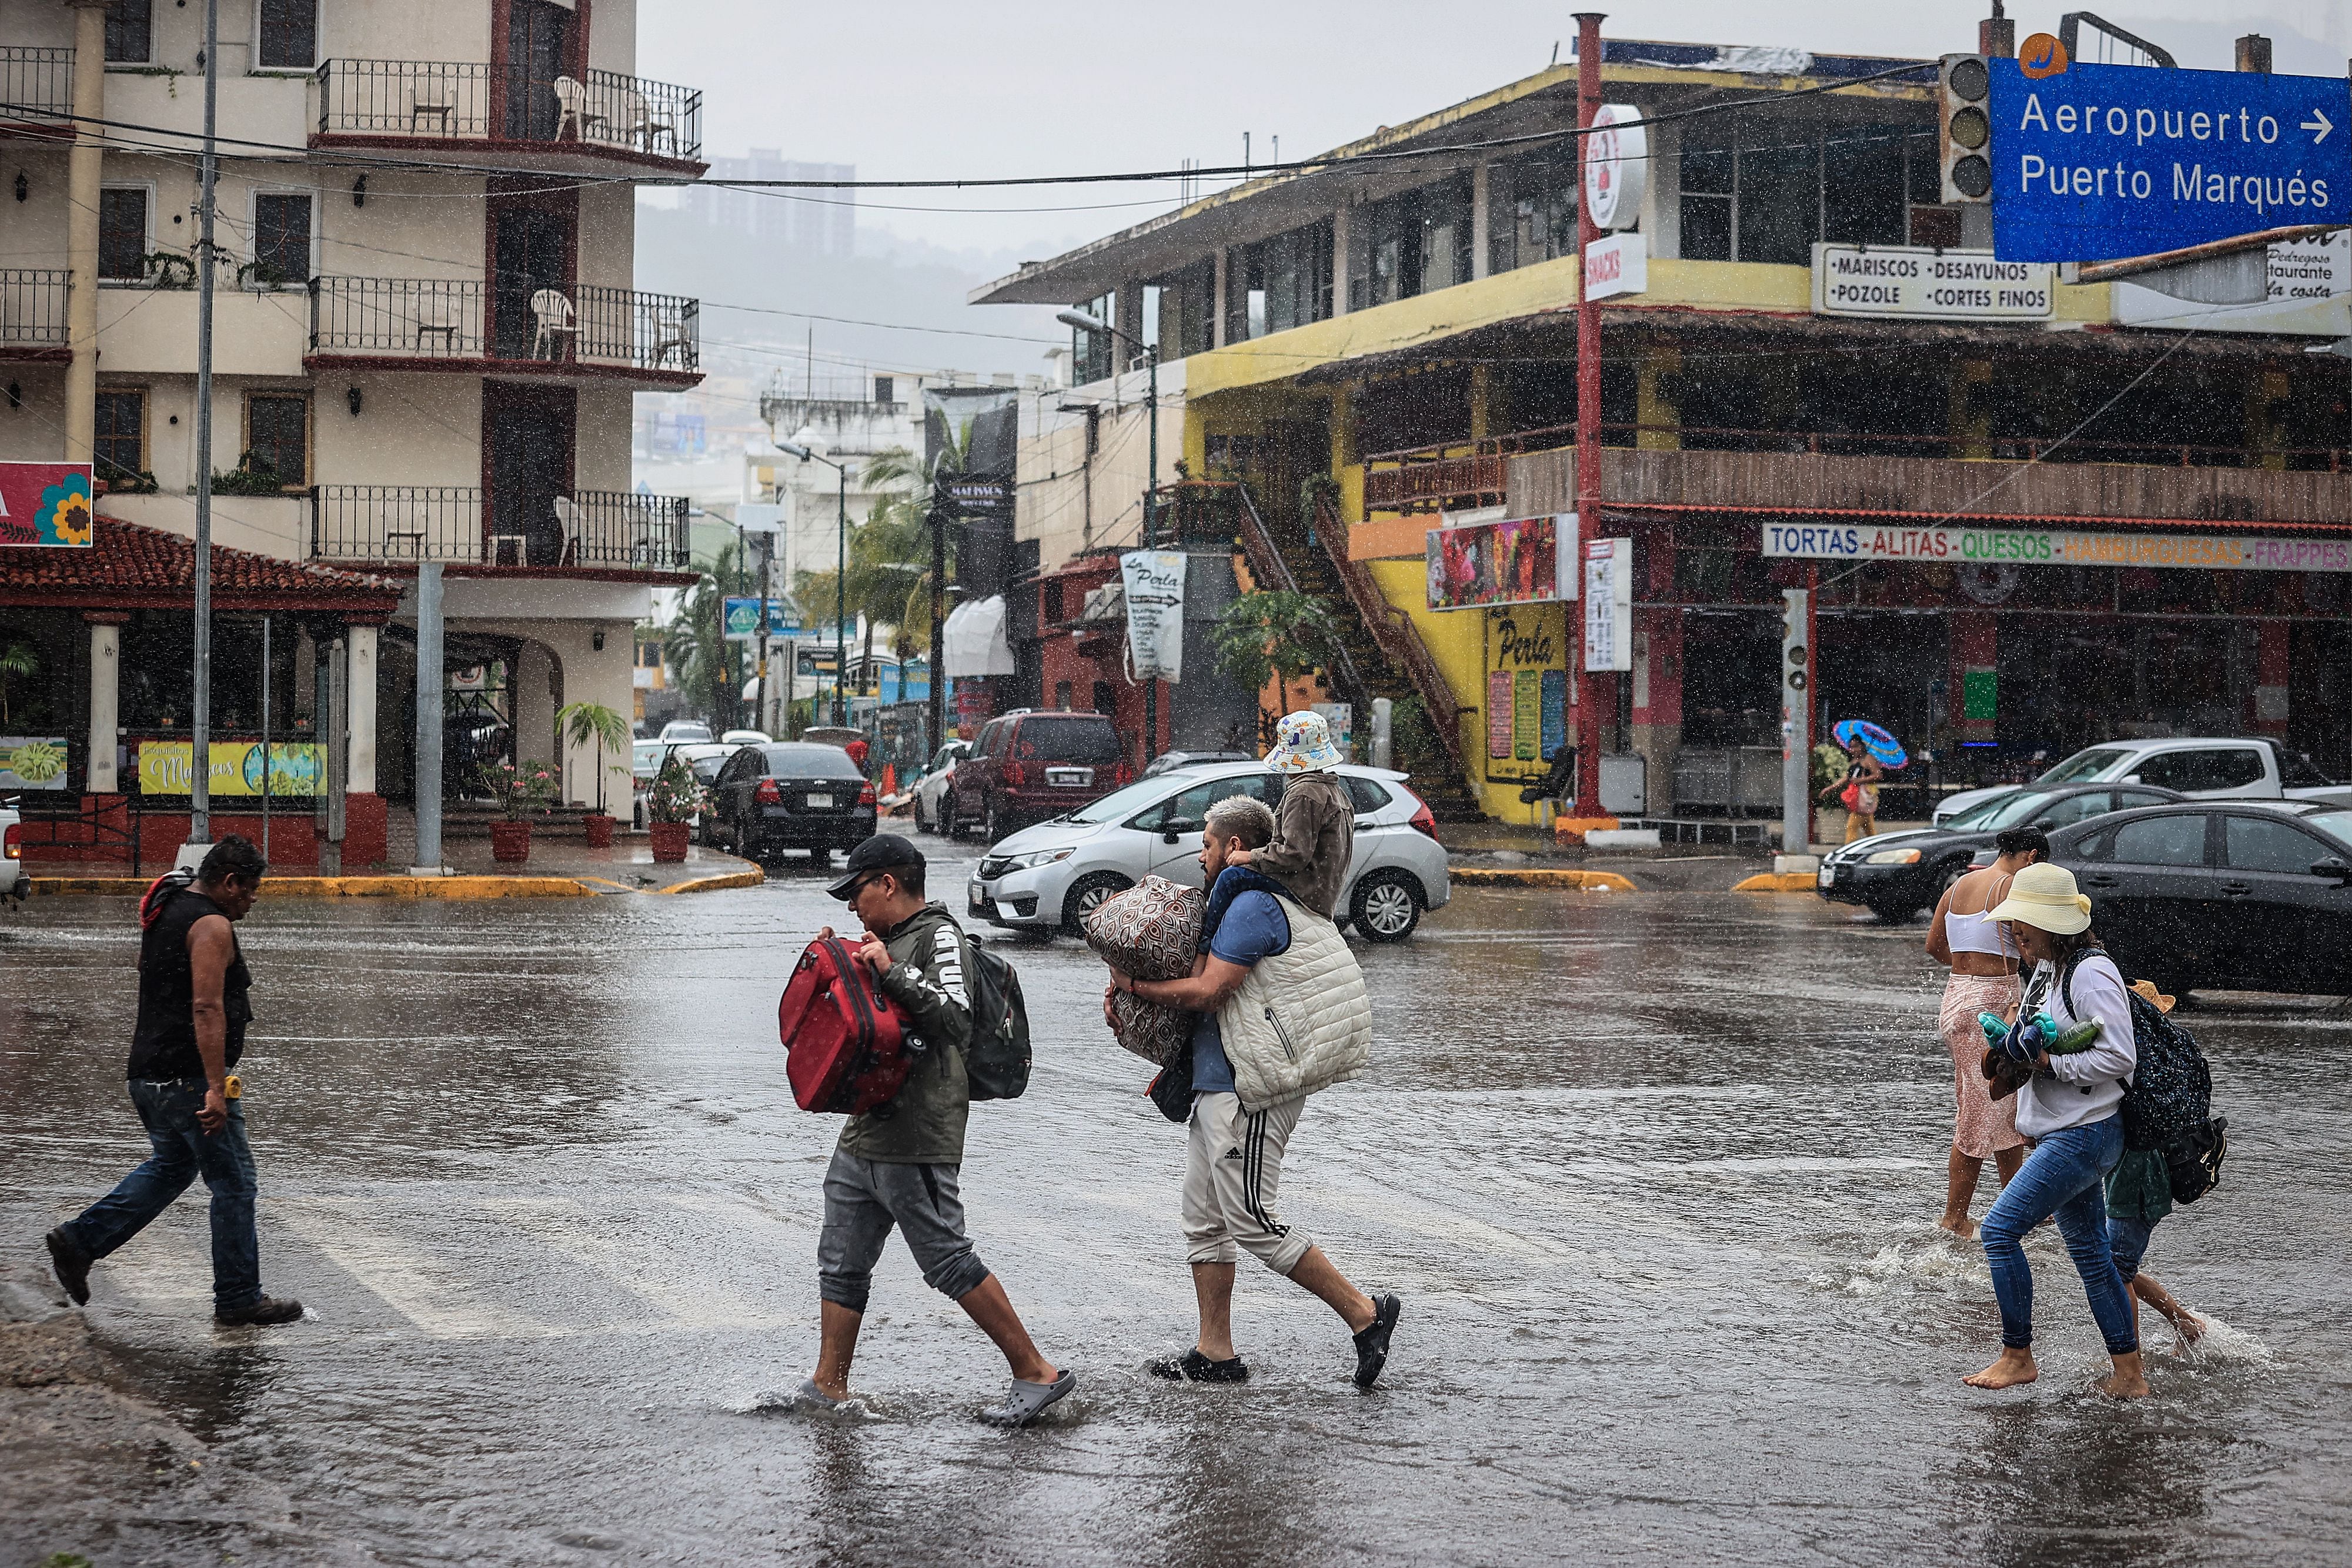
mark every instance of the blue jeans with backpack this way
{"type": "Point", "coordinates": [2064, 1176]}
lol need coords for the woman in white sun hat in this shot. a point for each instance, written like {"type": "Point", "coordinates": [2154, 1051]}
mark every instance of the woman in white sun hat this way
{"type": "Point", "coordinates": [1315, 829]}
{"type": "Point", "coordinates": [2071, 1111]}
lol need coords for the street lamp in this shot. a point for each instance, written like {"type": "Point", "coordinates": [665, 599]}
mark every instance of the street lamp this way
{"type": "Point", "coordinates": [1086, 323]}
{"type": "Point", "coordinates": [803, 446]}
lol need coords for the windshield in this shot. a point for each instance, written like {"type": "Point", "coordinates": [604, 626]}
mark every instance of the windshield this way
{"type": "Point", "coordinates": [2337, 823]}
{"type": "Point", "coordinates": [2015, 809]}
{"type": "Point", "coordinates": [2297, 772]}
{"type": "Point", "coordinates": [1979, 815]}
{"type": "Point", "coordinates": [1120, 803]}
{"type": "Point", "coordinates": [2084, 766]}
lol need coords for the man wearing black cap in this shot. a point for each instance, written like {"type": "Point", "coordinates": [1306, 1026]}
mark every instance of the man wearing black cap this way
{"type": "Point", "coordinates": [898, 1165]}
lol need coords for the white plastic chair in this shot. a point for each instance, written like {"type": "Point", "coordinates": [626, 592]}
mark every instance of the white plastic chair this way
{"type": "Point", "coordinates": [641, 121]}
{"type": "Point", "coordinates": [433, 95]}
{"type": "Point", "coordinates": [571, 100]}
{"type": "Point", "coordinates": [438, 313]}
{"type": "Point", "coordinates": [567, 514]}
{"type": "Point", "coordinates": [670, 334]}
{"type": "Point", "coordinates": [552, 308]}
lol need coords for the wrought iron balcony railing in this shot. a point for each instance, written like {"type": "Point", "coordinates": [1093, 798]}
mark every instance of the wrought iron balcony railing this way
{"type": "Point", "coordinates": [397, 524]}
{"type": "Point", "coordinates": [32, 308]}
{"type": "Point", "coordinates": [35, 85]}
{"type": "Point", "coordinates": [451, 100]}
{"type": "Point", "coordinates": [460, 319]}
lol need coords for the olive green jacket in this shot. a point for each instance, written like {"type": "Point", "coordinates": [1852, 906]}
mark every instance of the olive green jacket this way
{"type": "Point", "coordinates": [927, 979]}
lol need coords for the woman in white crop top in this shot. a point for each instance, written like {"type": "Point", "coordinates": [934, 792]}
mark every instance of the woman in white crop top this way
{"type": "Point", "coordinates": [1983, 960]}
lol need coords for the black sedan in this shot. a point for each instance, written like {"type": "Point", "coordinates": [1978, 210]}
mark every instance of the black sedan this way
{"type": "Point", "coordinates": [791, 796]}
{"type": "Point", "coordinates": [1895, 874]}
{"type": "Point", "coordinates": [2249, 895]}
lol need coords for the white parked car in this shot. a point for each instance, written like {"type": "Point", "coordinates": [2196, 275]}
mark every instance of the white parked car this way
{"type": "Point", "coordinates": [747, 738]}
{"type": "Point", "coordinates": [11, 854]}
{"type": "Point", "coordinates": [1045, 878]}
{"type": "Point", "coordinates": [685, 729]}
{"type": "Point", "coordinates": [931, 788]}
{"type": "Point", "coordinates": [2211, 769]}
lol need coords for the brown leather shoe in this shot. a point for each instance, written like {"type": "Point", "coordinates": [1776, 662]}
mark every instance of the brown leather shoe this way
{"type": "Point", "coordinates": [268, 1309]}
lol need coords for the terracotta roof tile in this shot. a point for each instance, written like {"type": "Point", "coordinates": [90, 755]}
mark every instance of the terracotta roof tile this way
{"type": "Point", "coordinates": [131, 558]}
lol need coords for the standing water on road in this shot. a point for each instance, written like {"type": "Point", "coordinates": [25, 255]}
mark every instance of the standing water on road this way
{"type": "Point", "coordinates": [1655, 1175]}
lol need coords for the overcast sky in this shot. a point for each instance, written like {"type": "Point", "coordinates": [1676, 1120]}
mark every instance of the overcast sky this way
{"type": "Point", "coordinates": [922, 88]}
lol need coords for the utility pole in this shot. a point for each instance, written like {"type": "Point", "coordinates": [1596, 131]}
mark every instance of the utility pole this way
{"type": "Point", "coordinates": [841, 595]}
{"type": "Point", "coordinates": [938, 735]}
{"type": "Point", "coordinates": [767, 691]}
{"type": "Point", "coordinates": [432, 727]}
{"type": "Point", "coordinates": [199, 734]}
{"type": "Point", "coordinates": [1151, 537]}
{"type": "Point", "coordinates": [1588, 407]}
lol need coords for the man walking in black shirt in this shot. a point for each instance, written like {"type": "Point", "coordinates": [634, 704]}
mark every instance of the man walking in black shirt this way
{"type": "Point", "coordinates": [192, 1010]}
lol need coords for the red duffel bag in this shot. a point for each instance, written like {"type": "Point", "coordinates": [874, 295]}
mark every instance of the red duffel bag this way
{"type": "Point", "coordinates": [845, 1042]}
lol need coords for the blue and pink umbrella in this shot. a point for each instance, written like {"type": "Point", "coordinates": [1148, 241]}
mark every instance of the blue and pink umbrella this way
{"type": "Point", "coordinates": [1883, 746]}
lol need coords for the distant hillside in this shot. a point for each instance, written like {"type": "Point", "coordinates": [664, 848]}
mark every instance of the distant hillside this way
{"type": "Point", "coordinates": [905, 283]}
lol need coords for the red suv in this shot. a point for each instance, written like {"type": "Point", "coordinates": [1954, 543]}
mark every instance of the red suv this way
{"type": "Point", "coordinates": [1028, 766]}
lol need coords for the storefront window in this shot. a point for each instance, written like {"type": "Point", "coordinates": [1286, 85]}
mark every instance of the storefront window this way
{"type": "Point", "coordinates": [1531, 210]}
{"type": "Point", "coordinates": [1765, 191]}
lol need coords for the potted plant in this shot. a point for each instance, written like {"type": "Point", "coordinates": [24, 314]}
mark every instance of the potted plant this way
{"type": "Point", "coordinates": [585, 724]}
{"type": "Point", "coordinates": [675, 799]}
{"type": "Point", "coordinates": [523, 790]}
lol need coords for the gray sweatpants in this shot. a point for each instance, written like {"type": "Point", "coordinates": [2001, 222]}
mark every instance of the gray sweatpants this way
{"type": "Point", "coordinates": [863, 1199]}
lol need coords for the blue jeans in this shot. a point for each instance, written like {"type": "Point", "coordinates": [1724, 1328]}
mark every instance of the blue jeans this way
{"type": "Point", "coordinates": [183, 1151]}
{"type": "Point", "coordinates": [2066, 1177]}
{"type": "Point", "coordinates": [2128, 1240]}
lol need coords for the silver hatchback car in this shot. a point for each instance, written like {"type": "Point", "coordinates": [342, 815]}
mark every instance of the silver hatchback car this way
{"type": "Point", "coordinates": [1045, 878]}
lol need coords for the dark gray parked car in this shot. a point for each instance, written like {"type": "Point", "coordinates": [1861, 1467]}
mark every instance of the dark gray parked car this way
{"type": "Point", "coordinates": [789, 795]}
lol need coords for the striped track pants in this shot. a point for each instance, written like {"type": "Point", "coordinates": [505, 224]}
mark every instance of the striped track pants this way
{"type": "Point", "coordinates": [1232, 1170]}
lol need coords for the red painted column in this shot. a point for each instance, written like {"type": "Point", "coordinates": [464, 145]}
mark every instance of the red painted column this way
{"type": "Point", "coordinates": [1974, 642]}
{"type": "Point", "coordinates": [1592, 692]}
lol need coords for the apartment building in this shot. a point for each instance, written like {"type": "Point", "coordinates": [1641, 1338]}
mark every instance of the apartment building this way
{"type": "Point", "coordinates": [426, 338]}
{"type": "Point", "coordinates": [1384, 345]}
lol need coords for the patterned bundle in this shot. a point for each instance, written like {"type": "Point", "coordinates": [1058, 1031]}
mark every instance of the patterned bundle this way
{"type": "Point", "coordinates": [1151, 932]}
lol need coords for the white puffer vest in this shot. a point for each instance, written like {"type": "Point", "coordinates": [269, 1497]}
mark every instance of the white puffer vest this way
{"type": "Point", "coordinates": [1300, 1020]}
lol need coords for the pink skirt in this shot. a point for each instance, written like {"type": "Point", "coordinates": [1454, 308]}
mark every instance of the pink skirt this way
{"type": "Point", "coordinates": [1980, 1124]}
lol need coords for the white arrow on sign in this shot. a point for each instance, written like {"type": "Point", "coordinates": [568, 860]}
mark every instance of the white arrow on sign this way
{"type": "Point", "coordinates": [2319, 122]}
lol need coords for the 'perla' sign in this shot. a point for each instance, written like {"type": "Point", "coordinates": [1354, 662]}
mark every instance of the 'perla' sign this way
{"type": "Point", "coordinates": [1924, 284]}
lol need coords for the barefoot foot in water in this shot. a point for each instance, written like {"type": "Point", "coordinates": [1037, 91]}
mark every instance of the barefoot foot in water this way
{"type": "Point", "coordinates": [2015, 1366]}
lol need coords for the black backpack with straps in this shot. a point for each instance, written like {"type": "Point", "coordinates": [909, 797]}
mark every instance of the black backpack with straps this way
{"type": "Point", "coordinates": [2168, 1099]}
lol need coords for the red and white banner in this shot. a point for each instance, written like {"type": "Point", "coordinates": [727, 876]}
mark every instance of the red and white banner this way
{"type": "Point", "coordinates": [46, 505]}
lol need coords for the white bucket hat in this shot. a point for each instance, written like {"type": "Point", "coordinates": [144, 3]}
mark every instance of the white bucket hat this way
{"type": "Point", "coordinates": [1302, 744]}
{"type": "Point", "coordinates": [2045, 895]}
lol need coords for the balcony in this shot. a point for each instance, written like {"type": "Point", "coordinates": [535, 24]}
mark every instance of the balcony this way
{"type": "Point", "coordinates": [33, 314]}
{"type": "Point", "coordinates": [1765, 469]}
{"type": "Point", "coordinates": [461, 106]}
{"type": "Point", "coordinates": [395, 525]}
{"type": "Point", "coordinates": [575, 331]}
{"type": "Point", "coordinates": [35, 91]}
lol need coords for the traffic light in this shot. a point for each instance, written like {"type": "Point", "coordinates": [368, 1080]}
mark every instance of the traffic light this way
{"type": "Point", "coordinates": [1792, 640]}
{"type": "Point", "coordinates": [1963, 127]}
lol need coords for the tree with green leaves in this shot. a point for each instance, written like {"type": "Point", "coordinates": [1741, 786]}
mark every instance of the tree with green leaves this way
{"type": "Point", "coordinates": [17, 663]}
{"type": "Point", "coordinates": [1276, 634]}
{"type": "Point", "coordinates": [695, 643]}
{"type": "Point", "coordinates": [594, 723]}
{"type": "Point", "coordinates": [888, 583]}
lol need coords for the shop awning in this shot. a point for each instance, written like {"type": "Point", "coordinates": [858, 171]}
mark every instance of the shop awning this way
{"type": "Point", "coordinates": [973, 641]}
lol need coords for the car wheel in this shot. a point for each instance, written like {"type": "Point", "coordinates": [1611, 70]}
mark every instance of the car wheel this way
{"type": "Point", "coordinates": [920, 826]}
{"type": "Point", "coordinates": [1953, 870]}
{"type": "Point", "coordinates": [1387, 907]}
{"type": "Point", "coordinates": [1087, 895]}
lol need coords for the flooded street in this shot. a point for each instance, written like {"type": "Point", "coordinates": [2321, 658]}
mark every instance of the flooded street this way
{"type": "Point", "coordinates": [1655, 1175]}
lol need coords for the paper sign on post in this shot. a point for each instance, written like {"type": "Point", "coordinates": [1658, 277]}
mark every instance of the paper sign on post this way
{"type": "Point", "coordinates": [1607, 604]}
{"type": "Point", "coordinates": [1154, 580]}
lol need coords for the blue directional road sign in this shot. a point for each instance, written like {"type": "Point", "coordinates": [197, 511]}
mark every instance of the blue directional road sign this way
{"type": "Point", "coordinates": [742, 619]}
{"type": "Point", "coordinates": [2098, 162]}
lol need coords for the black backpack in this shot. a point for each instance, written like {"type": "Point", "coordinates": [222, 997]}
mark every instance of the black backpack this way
{"type": "Point", "coordinates": [2168, 1099]}
{"type": "Point", "coordinates": [996, 1061]}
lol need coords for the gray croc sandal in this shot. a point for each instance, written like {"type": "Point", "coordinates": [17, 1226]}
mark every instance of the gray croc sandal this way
{"type": "Point", "coordinates": [1024, 1402]}
{"type": "Point", "coordinates": [809, 1396]}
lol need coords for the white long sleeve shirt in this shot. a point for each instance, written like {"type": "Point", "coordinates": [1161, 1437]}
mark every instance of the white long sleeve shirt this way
{"type": "Point", "coordinates": [2088, 1086]}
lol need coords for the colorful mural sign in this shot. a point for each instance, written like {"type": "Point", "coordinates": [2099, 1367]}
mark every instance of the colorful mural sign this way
{"type": "Point", "coordinates": [296, 767]}
{"type": "Point", "coordinates": [1498, 715]}
{"type": "Point", "coordinates": [46, 505]}
{"type": "Point", "coordinates": [1526, 713]}
{"type": "Point", "coordinates": [1525, 560]}
{"type": "Point", "coordinates": [31, 762]}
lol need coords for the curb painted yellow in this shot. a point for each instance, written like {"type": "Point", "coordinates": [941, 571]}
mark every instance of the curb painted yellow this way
{"type": "Point", "coordinates": [1590, 880]}
{"type": "Point", "coordinates": [751, 878]}
{"type": "Point", "coordinates": [453, 888]}
{"type": "Point", "coordinates": [1776, 881]}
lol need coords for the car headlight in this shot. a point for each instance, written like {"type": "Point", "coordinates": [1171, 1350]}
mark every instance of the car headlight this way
{"type": "Point", "coordinates": [1035, 857]}
{"type": "Point", "coordinates": [1895, 857]}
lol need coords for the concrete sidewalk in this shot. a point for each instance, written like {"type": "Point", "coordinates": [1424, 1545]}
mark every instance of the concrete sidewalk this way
{"type": "Point", "coordinates": [561, 868]}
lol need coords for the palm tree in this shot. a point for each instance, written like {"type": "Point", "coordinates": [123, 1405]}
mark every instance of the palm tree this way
{"type": "Point", "coordinates": [695, 640]}
{"type": "Point", "coordinates": [888, 581]}
{"type": "Point", "coordinates": [19, 662]}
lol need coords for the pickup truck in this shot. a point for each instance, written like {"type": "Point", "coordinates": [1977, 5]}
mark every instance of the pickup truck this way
{"type": "Point", "coordinates": [2221, 769]}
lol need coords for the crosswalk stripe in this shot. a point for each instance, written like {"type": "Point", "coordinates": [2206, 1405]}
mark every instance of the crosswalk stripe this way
{"type": "Point", "coordinates": [431, 1294]}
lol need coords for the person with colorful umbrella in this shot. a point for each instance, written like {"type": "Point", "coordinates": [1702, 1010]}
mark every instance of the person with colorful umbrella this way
{"type": "Point", "coordinates": [1870, 752]}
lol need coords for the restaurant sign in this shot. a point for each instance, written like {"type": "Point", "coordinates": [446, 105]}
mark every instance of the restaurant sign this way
{"type": "Point", "coordinates": [2046, 546]}
{"type": "Point", "coordinates": [1921, 283]}
{"type": "Point", "coordinates": [296, 767]}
